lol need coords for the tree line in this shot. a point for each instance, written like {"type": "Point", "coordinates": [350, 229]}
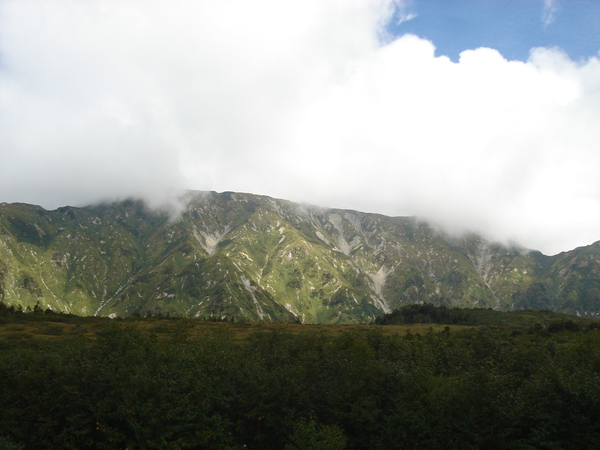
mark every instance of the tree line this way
{"type": "Point", "coordinates": [129, 388]}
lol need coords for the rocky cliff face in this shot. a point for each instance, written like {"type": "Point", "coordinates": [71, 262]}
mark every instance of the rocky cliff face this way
{"type": "Point", "coordinates": [257, 258]}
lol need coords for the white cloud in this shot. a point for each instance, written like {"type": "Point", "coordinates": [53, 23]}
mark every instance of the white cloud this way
{"type": "Point", "coordinates": [403, 11]}
{"type": "Point", "coordinates": [549, 12]}
{"type": "Point", "coordinates": [302, 100]}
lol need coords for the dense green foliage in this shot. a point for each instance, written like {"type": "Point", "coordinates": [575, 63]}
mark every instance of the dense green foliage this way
{"type": "Point", "coordinates": [428, 313]}
{"type": "Point", "coordinates": [129, 388]}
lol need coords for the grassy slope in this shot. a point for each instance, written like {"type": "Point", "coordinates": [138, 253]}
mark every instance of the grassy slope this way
{"type": "Point", "coordinates": [256, 258]}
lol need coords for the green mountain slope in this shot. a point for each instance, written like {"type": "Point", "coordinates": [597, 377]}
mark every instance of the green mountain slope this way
{"type": "Point", "coordinates": [257, 258]}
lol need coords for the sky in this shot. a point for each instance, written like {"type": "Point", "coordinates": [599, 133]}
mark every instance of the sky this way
{"type": "Point", "coordinates": [476, 115]}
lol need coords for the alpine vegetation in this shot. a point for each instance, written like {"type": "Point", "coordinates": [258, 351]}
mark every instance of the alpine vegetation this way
{"type": "Point", "coordinates": [246, 257]}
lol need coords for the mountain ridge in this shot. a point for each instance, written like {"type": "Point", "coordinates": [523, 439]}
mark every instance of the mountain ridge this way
{"type": "Point", "coordinates": [252, 257]}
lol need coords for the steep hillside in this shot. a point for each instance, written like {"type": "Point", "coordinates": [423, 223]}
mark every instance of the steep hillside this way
{"type": "Point", "coordinates": [257, 258]}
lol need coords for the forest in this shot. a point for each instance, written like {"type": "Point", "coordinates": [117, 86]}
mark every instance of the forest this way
{"type": "Point", "coordinates": [155, 383]}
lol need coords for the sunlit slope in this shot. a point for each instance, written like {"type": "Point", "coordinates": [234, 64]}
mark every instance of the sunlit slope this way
{"type": "Point", "coordinates": [255, 258]}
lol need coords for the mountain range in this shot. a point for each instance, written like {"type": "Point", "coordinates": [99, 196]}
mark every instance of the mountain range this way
{"type": "Point", "coordinates": [248, 257]}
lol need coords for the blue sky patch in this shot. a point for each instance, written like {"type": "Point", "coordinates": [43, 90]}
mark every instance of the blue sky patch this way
{"type": "Point", "coordinates": [511, 27]}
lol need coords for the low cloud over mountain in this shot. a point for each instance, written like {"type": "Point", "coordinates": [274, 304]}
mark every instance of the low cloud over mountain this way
{"type": "Point", "coordinates": [313, 101]}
